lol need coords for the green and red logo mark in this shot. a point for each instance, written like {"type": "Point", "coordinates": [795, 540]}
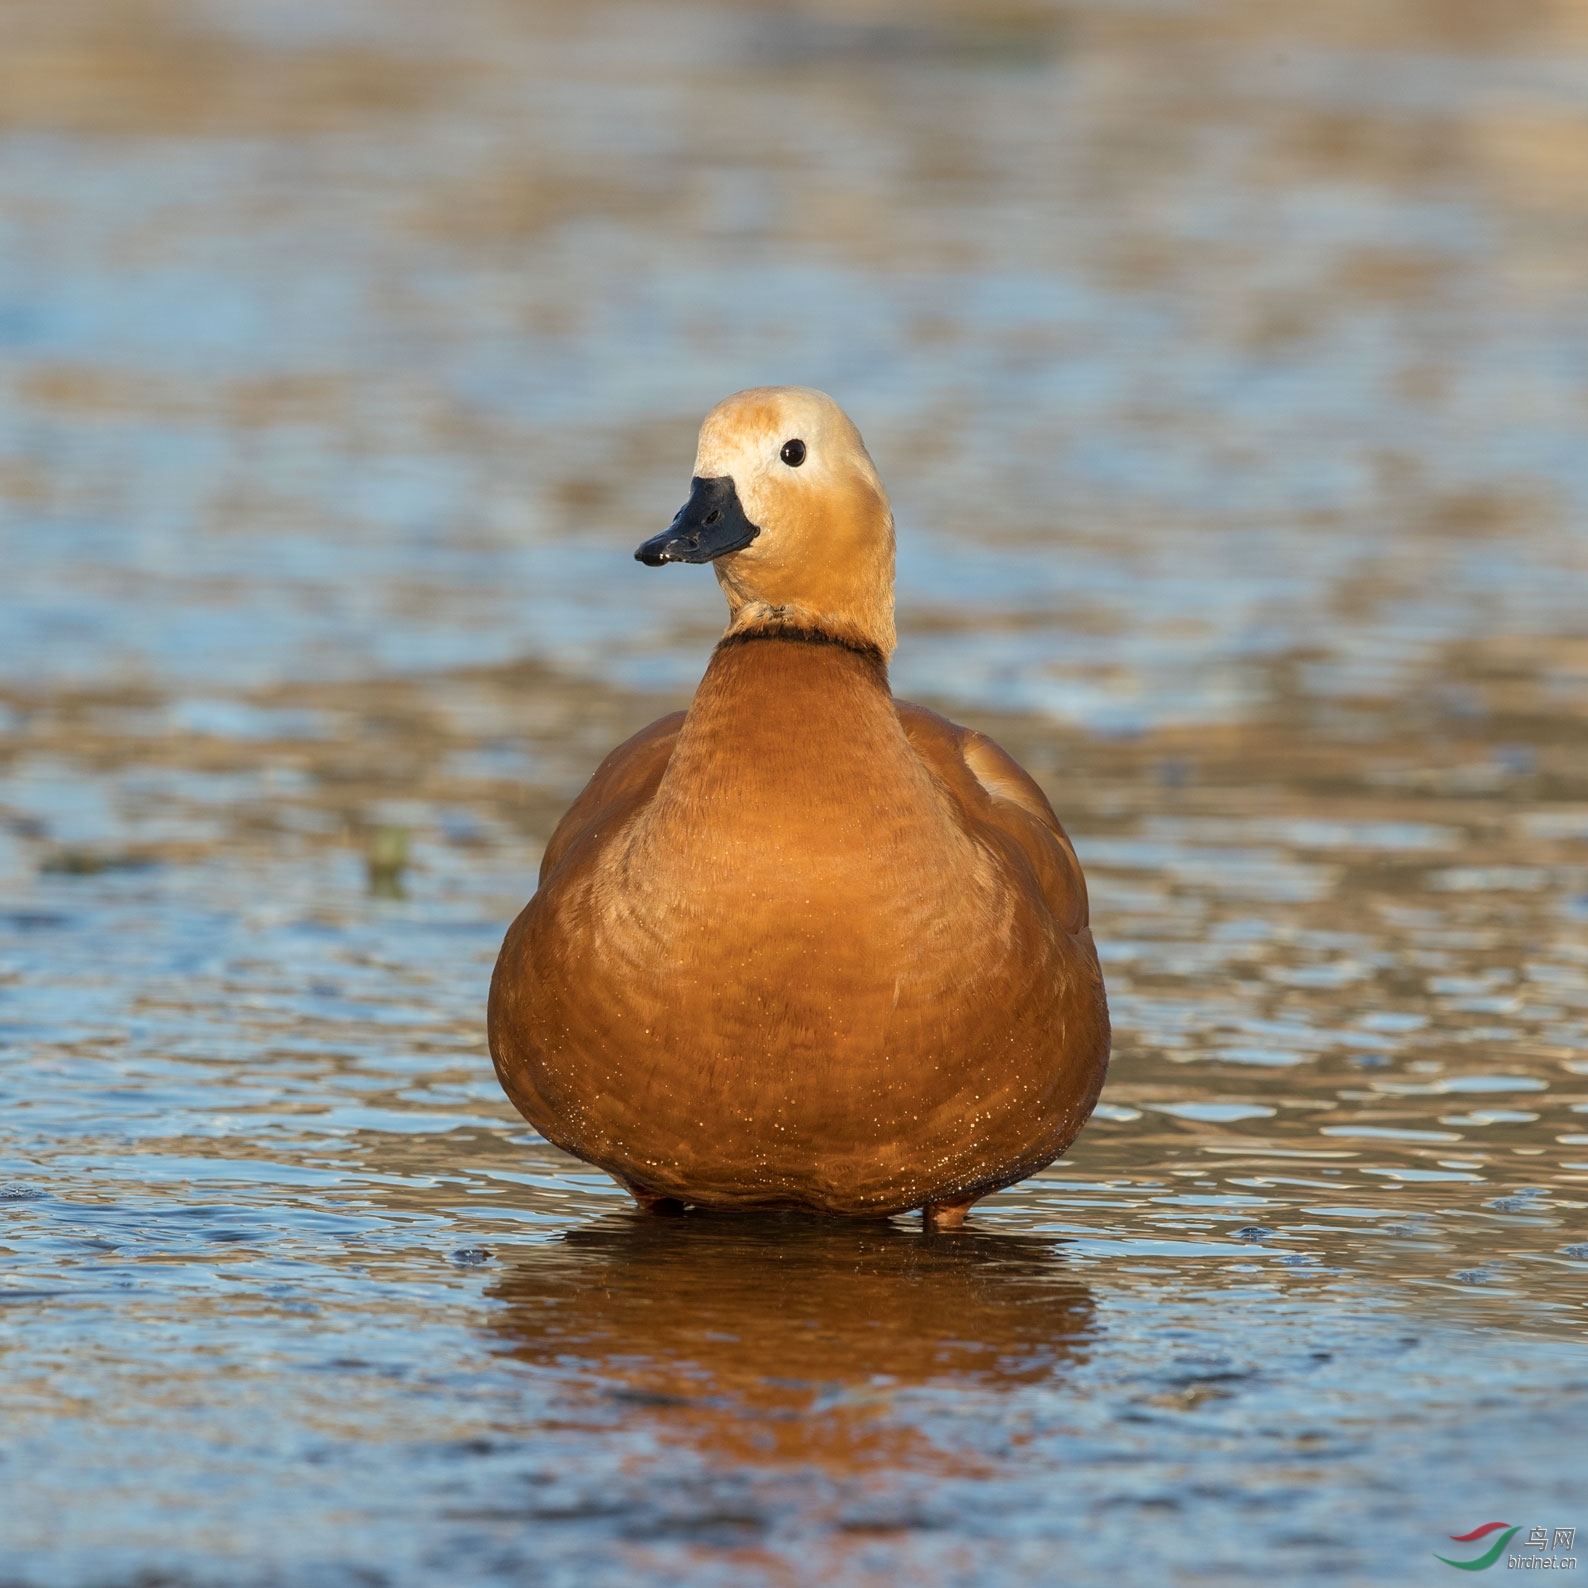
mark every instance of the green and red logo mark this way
{"type": "Point", "coordinates": [1484, 1561]}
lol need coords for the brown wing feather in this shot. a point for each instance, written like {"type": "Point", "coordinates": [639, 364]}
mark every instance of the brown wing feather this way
{"type": "Point", "coordinates": [623, 782]}
{"type": "Point", "coordinates": [996, 791]}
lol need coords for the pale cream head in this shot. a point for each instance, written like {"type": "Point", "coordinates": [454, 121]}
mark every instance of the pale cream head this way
{"type": "Point", "coordinates": [824, 554]}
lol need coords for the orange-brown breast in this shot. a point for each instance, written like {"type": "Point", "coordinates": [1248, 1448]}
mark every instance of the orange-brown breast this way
{"type": "Point", "coordinates": [805, 946]}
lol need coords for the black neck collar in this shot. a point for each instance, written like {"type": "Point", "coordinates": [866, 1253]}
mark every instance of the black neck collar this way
{"type": "Point", "coordinates": [806, 636]}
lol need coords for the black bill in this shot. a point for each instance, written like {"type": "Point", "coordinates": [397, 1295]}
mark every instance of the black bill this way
{"type": "Point", "coordinates": [709, 525]}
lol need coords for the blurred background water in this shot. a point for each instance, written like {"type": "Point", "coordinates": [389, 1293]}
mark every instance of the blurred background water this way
{"type": "Point", "coordinates": [1228, 367]}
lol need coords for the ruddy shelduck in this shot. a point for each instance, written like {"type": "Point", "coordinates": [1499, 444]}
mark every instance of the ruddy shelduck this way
{"type": "Point", "coordinates": [803, 945]}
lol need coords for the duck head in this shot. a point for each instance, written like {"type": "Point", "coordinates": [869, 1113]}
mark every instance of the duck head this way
{"type": "Point", "coordinates": [787, 507]}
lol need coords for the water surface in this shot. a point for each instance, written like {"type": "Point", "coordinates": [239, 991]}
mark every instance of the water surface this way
{"type": "Point", "coordinates": [1229, 373]}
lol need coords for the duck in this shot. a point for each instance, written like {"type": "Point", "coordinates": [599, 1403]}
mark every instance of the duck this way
{"type": "Point", "coordinates": [804, 946]}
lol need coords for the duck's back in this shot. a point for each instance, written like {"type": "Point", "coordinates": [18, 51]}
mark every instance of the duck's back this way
{"type": "Point", "coordinates": [805, 946]}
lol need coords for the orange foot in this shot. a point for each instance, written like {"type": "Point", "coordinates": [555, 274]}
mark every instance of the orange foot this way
{"type": "Point", "coordinates": [945, 1215]}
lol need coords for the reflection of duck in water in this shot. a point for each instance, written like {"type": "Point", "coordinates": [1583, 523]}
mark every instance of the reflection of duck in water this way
{"type": "Point", "coordinates": [803, 946]}
{"type": "Point", "coordinates": [775, 1341]}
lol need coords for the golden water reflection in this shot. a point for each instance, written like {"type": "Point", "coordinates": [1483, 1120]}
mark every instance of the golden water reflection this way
{"type": "Point", "coordinates": [790, 1343]}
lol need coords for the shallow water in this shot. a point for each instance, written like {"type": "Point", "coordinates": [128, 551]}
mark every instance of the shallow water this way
{"type": "Point", "coordinates": [1229, 373]}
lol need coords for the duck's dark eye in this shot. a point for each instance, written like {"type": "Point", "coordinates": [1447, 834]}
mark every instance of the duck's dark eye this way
{"type": "Point", "coordinates": [793, 453]}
